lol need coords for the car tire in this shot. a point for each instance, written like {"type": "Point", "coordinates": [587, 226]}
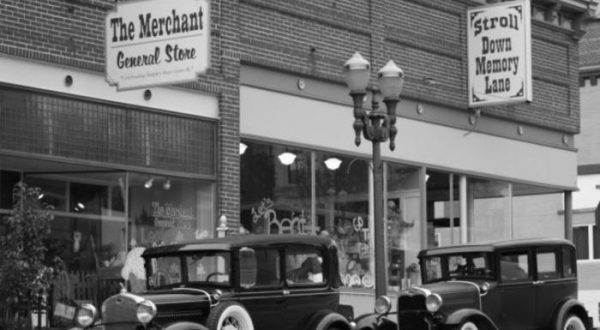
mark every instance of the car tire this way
{"type": "Point", "coordinates": [468, 325]}
{"type": "Point", "coordinates": [229, 314]}
{"type": "Point", "coordinates": [573, 322]}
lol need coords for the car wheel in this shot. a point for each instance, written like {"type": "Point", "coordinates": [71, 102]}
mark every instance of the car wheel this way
{"type": "Point", "coordinates": [468, 326]}
{"type": "Point", "coordinates": [229, 316]}
{"type": "Point", "coordinates": [573, 322]}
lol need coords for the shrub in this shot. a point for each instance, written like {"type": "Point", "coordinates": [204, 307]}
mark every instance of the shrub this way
{"type": "Point", "coordinates": [26, 269]}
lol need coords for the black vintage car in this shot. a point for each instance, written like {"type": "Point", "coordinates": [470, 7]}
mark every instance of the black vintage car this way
{"type": "Point", "coordinates": [519, 284]}
{"type": "Point", "coordinates": [241, 282]}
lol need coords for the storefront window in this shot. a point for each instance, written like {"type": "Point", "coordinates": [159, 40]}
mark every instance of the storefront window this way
{"type": "Point", "coordinates": [342, 199]}
{"type": "Point", "coordinates": [8, 179]}
{"type": "Point", "coordinates": [333, 189]}
{"type": "Point", "coordinates": [104, 219]}
{"type": "Point", "coordinates": [490, 217]}
{"type": "Point", "coordinates": [403, 225]}
{"type": "Point", "coordinates": [160, 216]}
{"type": "Point", "coordinates": [276, 190]}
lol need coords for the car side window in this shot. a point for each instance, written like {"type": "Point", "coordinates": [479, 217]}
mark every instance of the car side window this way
{"type": "Point", "coordinates": [514, 266]}
{"type": "Point", "coordinates": [268, 267]}
{"type": "Point", "coordinates": [304, 266]}
{"type": "Point", "coordinates": [547, 265]}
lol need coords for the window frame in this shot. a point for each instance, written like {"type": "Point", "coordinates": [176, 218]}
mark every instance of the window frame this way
{"type": "Point", "coordinates": [558, 266]}
{"type": "Point", "coordinates": [305, 250]}
{"type": "Point", "coordinates": [590, 243]}
{"type": "Point", "coordinates": [530, 270]}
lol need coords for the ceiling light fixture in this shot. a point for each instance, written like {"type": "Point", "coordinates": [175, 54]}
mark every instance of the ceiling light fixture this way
{"type": "Point", "coordinates": [167, 184]}
{"type": "Point", "coordinates": [333, 163]}
{"type": "Point", "coordinates": [287, 158]}
{"type": "Point", "coordinates": [243, 148]}
{"type": "Point", "coordinates": [148, 183]}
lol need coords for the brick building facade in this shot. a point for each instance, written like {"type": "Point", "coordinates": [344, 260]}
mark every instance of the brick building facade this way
{"type": "Point", "coordinates": [585, 209]}
{"type": "Point", "coordinates": [275, 84]}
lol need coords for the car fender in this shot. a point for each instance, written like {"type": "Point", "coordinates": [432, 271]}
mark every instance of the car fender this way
{"type": "Point", "coordinates": [462, 315]}
{"type": "Point", "coordinates": [366, 321]}
{"type": "Point", "coordinates": [571, 306]}
{"type": "Point", "coordinates": [185, 326]}
{"type": "Point", "coordinates": [324, 319]}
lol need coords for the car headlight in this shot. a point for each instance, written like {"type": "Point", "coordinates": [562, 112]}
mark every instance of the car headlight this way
{"type": "Point", "coordinates": [86, 314]}
{"type": "Point", "coordinates": [433, 302]}
{"type": "Point", "coordinates": [146, 311]}
{"type": "Point", "coordinates": [383, 304]}
{"type": "Point", "coordinates": [484, 288]}
{"type": "Point", "coordinates": [217, 295]}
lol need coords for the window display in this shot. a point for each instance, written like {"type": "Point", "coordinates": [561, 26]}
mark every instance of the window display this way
{"type": "Point", "coordinates": [291, 190]}
{"type": "Point", "coordinates": [104, 220]}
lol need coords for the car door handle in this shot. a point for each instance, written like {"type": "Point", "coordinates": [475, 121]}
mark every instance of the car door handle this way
{"type": "Point", "coordinates": [538, 282]}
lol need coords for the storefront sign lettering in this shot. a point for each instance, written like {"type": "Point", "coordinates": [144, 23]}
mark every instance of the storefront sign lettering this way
{"type": "Point", "coordinates": [499, 53]}
{"type": "Point", "coordinates": [267, 215]}
{"type": "Point", "coordinates": [169, 216]}
{"type": "Point", "coordinates": [161, 42]}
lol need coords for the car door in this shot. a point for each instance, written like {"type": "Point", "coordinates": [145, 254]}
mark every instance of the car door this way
{"type": "Point", "coordinates": [307, 283]}
{"type": "Point", "coordinates": [264, 298]}
{"type": "Point", "coordinates": [517, 291]}
{"type": "Point", "coordinates": [552, 283]}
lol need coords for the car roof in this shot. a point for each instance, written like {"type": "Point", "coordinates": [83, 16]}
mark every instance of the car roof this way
{"type": "Point", "coordinates": [492, 246]}
{"type": "Point", "coordinates": [232, 242]}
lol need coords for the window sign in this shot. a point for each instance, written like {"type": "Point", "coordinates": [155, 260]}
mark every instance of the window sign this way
{"type": "Point", "coordinates": [499, 49]}
{"type": "Point", "coordinates": [156, 42]}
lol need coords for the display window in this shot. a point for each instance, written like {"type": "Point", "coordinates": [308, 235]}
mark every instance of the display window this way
{"type": "Point", "coordinates": [104, 219]}
{"type": "Point", "coordinates": [293, 190]}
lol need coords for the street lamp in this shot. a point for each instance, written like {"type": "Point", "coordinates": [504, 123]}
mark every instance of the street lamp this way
{"type": "Point", "coordinates": [376, 126]}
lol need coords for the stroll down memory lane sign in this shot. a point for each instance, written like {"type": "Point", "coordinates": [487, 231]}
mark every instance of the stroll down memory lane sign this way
{"type": "Point", "coordinates": [499, 48]}
{"type": "Point", "coordinates": [156, 42]}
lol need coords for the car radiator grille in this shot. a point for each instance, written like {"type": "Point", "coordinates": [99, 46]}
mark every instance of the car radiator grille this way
{"type": "Point", "coordinates": [411, 302]}
{"type": "Point", "coordinates": [119, 313]}
{"type": "Point", "coordinates": [412, 313]}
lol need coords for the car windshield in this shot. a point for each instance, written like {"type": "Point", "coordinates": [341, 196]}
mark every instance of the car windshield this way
{"type": "Point", "coordinates": [204, 267]}
{"type": "Point", "coordinates": [471, 266]}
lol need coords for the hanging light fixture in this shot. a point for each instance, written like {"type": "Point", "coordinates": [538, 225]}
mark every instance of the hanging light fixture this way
{"type": "Point", "coordinates": [167, 184]}
{"type": "Point", "coordinates": [243, 148]}
{"type": "Point", "coordinates": [148, 183]}
{"type": "Point", "coordinates": [287, 158]}
{"type": "Point", "coordinates": [333, 163]}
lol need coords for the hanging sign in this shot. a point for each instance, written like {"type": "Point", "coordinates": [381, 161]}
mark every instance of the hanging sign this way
{"type": "Point", "coordinates": [499, 53]}
{"type": "Point", "coordinates": [156, 42]}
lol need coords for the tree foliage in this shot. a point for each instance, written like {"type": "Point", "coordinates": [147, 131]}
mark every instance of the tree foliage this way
{"type": "Point", "coordinates": [26, 269]}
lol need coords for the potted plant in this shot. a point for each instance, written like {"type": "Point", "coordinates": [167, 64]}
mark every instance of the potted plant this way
{"type": "Point", "coordinates": [26, 268]}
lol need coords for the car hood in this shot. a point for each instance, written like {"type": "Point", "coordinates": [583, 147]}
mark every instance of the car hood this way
{"type": "Point", "coordinates": [455, 294]}
{"type": "Point", "coordinates": [180, 300]}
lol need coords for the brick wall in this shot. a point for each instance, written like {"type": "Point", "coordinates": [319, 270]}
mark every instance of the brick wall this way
{"type": "Point", "coordinates": [71, 33]}
{"type": "Point", "coordinates": [588, 141]}
{"type": "Point", "coordinates": [425, 38]}
{"type": "Point", "coordinates": [312, 38]}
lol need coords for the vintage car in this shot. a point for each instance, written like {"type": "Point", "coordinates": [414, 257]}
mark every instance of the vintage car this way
{"type": "Point", "coordinates": [519, 284]}
{"type": "Point", "coordinates": [241, 282]}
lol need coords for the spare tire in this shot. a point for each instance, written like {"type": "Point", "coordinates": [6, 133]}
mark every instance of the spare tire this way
{"type": "Point", "coordinates": [228, 315]}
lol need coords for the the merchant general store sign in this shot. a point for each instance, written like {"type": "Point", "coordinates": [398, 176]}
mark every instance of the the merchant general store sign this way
{"type": "Point", "coordinates": [499, 42]}
{"type": "Point", "coordinates": [156, 42]}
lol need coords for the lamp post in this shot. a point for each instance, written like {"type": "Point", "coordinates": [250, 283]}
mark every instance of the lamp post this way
{"type": "Point", "coordinates": [376, 126]}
